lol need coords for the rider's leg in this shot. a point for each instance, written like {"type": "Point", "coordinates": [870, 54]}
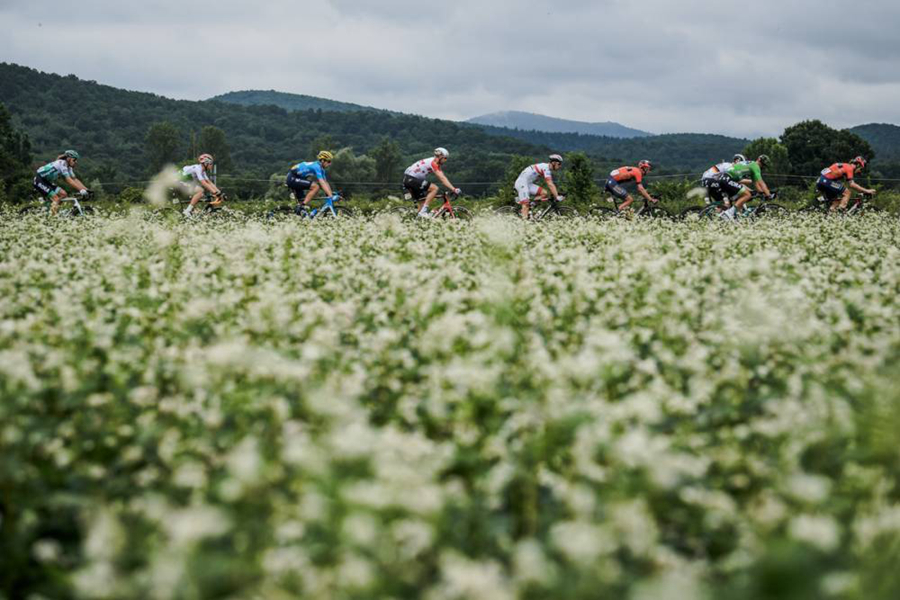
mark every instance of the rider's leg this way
{"type": "Point", "coordinates": [194, 200]}
{"type": "Point", "coordinates": [525, 209]}
{"type": "Point", "coordinates": [628, 200]}
{"type": "Point", "coordinates": [432, 192]}
{"type": "Point", "coordinates": [842, 203]}
{"type": "Point", "coordinates": [313, 190]}
{"type": "Point", "coordinates": [56, 199]}
{"type": "Point", "coordinates": [742, 198]}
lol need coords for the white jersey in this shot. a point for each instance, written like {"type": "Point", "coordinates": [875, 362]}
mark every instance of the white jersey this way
{"type": "Point", "coordinates": [535, 172]}
{"type": "Point", "coordinates": [53, 171]}
{"type": "Point", "coordinates": [420, 169]}
{"type": "Point", "coordinates": [194, 173]}
{"type": "Point", "coordinates": [719, 168]}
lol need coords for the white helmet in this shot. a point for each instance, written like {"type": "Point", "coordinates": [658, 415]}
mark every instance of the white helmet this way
{"type": "Point", "coordinates": [739, 158]}
{"type": "Point", "coordinates": [556, 157]}
{"type": "Point", "coordinates": [441, 152]}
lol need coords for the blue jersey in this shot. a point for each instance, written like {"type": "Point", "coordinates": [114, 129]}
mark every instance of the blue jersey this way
{"type": "Point", "coordinates": [305, 169]}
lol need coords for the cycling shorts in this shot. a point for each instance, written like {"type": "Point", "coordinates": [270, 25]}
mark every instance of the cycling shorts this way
{"type": "Point", "coordinates": [45, 188]}
{"type": "Point", "coordinates": [525, 191]}
{"type": "Point", "coordinates": [832, 189]}
{"type": "Point", "coordinates": [616, 189]}
{"type": "Point", "coordinates": [297, 184]}
{"type": "Point", "coordinates": [722, 187]}
{"type": "Point", "coordinates": [417, 188]}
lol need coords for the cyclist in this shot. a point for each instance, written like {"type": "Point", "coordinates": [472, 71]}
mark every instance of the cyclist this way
{"type": "Point", "coordinates": [419, 188]}
{"type": "Point", "coordinates": [526, 187]}
{"type": "Point", "coordinates": [628, 175]}
{"type": "Point", "coordinates": [831, 185]}
{"type": "Point", "coordinates": [45, 181]}
{"type": "Point", "coordinates": [743, 173]}
{"type": "Point", "coordinates": [716, 181]}
{"type": "Point", "coordinates": [195, 181]}
{"type": "Point", "coordinates": [307, 178]}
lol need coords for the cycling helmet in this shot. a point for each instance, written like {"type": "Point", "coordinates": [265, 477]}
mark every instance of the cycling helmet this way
{"type": "Point", "coordinates": [763, 160]}
{"type": "Point", "coordinates": [556, 157]}
{"type": "Point", "coordinates": [205, 159]}
{"type": "Point", "coordinates": [438, 152]}
{"type": "Point", "coordinates": [645, 165]}
{"type": "Point", "coordinates": [325, 155]}
{"type": "Point", "coordinates": [739, 158]}
{"type": "Point", "coordinates": [859, 161]}
{"type": "Point", "coordinates": [72, 154]}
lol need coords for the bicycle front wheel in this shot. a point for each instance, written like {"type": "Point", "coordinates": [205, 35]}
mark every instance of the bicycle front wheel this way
{"type": "Point", "coordinates": [508, 210]}
{"type": "Point", "coordinates": [771, 211]}
{"type": "Point", "coordinates": [340, 212]}
{"type": "Point", "coordinates": [560, 212]}
{"type": "Point", "coordinates": [603, 212]}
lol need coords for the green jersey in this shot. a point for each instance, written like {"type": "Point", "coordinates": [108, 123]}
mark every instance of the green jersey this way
{"type": "Point", "coordinates": [745, 170]}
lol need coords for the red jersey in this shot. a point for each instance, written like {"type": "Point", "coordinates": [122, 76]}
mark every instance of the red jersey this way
{"type": "Point", "coordinates": [623, 174]}
{"type": "Point", "coordinates": [839, 171]}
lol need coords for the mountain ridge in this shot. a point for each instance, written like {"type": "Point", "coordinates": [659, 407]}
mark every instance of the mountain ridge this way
{"type": "Point", "coordinates": [513, 119]}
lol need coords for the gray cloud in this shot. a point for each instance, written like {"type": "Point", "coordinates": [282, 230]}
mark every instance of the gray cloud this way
{"type": "Point", "coordinates": [661, 66]}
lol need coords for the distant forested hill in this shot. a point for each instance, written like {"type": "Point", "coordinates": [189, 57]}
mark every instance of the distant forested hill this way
{"type": "Point", "coordinates": [288, 101]}
{"type": "Point", "coordinates": [884, 139]}
{"type": "Point", "coordinates": [514, 119]}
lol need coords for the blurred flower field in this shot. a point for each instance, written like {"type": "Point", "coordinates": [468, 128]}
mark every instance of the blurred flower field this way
{"type": "Point", "coordinates": [483, 410]}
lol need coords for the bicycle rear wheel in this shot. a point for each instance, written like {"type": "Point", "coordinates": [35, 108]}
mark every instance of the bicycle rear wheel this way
{"type": "Point", "coordinates": [560, 212]}
{"type": "Point", "coordinates": [654, 212]}
{"type": "Point", "coordinates": [691, 213]}
{"type": "Point", "coordinates": [459, 213]}
{"type": "Point", "coordinates": [508, 210]}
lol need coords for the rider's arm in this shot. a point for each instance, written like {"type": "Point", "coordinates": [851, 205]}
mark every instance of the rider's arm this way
{"type": "Point", "coordinates": [76, 183]}
{"type": "Point", "coordinates": [643, 192]}
{"type": "Point", "coordinates": [210, 187]}
{"type": "Point", "coordinates": [763, 188]}
{"type": "Point", "coordinates": [553, 189]}
{"type": "Point", "coordinates": [443, 179]}
{"type": "Point", "coordinates": [860, 188]}
{"type": "Point", "coordinates": [325, 186]}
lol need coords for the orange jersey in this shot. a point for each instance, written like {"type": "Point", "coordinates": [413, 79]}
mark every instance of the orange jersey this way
{"type": "Point", "coordinates": [623, 174]}
{"type": "Point", "coordinates": [839, 171]}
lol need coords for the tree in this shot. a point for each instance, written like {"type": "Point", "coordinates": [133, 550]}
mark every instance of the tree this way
{"type": "Point", "coordinates": [163, 145]}
{"type": "Point", "coordinates": [15, 159]}
{"type": "Point", "coordinates": [322, 142]}
{"type": "Point", "coordinates": [348, 169]}
{"type": "Point", "coordinates": [580, 185]}
{"type": "Point", "coordinates": [778, 154]}
{"type": "Point", "coordinates": [387, 160]}
{"type": "Point", "coordinates": [813, 145]}
{"type": "Point", "coordinates": [212, 141]}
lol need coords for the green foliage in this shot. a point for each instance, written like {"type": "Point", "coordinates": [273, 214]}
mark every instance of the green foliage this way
{"type": "Point", "coordinates": [348, 170]}
{"type": "Point", "coordinates": [813, 145]}
{"type": "Point", "coordinates": [579, 178]}
{"type": "Point", "coordinates": [507, 191]}
{"type": "Point", "coordinates": [288, 102]}
{"type": "Point", "coordinates": [387, 161]}
{"type": "Point", "coordinates": [163, 146]}
{"type": "Point", "coordinates": [212, 141]}
{"type": "Point", "coordinates": [131, 195]}
{"type": "Point", "coordinates": [884, 139]}
{"type": "Point", "coordinates": [15, 160]}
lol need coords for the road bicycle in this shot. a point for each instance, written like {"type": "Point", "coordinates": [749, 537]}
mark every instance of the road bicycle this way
{"type": "Point", "coordinates": [549, 208]}
{"type": "Point", "coordinates": [445, 211]}
{"type": "Point", "coordinates": [328, 210]}
{"type": "Point", "coordinates": [765, 209]}
{"type": "Point", "coordinates": [647, 209]}
{"type": "Point", "coordinates": [858, 204]}
{"type": "Point", "coordinates": [43, 205]}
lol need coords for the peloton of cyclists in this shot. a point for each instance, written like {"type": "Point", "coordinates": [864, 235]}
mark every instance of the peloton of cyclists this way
{"type": "Point", "coordinates": [527, 188]}
{"type": "Point", "coordinates": [46, 180]}
{"type": "Point", "coordinates": [619, 178]}
{"type": "Point", "coordinates": [305, 179]}
{"type": "Point", "coordinates": [831, 182]}
{"type": "Point", "coordinates": [736, 180]}
{"type": "Point", "coordinates": [714, 180]}
{"type": "Point", "coordinates": [195, 181]}
{"type": "Point", "coordinates": [415, 182]}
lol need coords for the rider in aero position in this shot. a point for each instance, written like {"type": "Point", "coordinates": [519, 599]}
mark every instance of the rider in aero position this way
{"type": "Point", "coordinates": [624, 175]}
{"type": "Point", "coordinates": [831, 186]}
{"type": "Point", "coordinates": [418, 187]}
{"type": "Point", "coordinates": [716, 181]}
{"type": "Point", "coordinates": [47, 176]}
{"type": "Point", "coordinates": [300, 178]}
{"type": "Point", "coordinates": [750, 171]}
{"type": "Point", "coordinates": [526, 187]}
{"type": "Point", "coordinates": [195, 181]}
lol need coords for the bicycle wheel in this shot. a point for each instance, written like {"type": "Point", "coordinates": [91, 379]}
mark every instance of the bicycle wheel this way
{"type": "Point", "coordinates": [811, 209]}
{"type": "Point", "coordinates": [710, 213]}
{"type": "Point", "coordinates": [560, 212]}
{"type": "Point", "coordinates": [86, 211]}
{"type": "Point", "coordinates": [603, 212]}
{"type": "Point", "coordinates": [771, 211]}
{"type": "Point", "coordinates": [869, 209]}
{"type": "Point", "coordinates": [32, 209]}
{"type": "Point", "coordinates": [340, 212]}
{"type": "Point", "coordinates": [691, 213]}
{"type": "Point", "coordinates": [508, 210]}
{"type": "Point", "coordinates": [654, 212]}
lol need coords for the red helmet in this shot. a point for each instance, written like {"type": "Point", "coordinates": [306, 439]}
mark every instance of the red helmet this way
{"type": "Point", "coordinates": [859, 161]}
{"type": "Point", "coordinates": [205, 159]}
{"type": "Point", "coordinates": [645, 165]}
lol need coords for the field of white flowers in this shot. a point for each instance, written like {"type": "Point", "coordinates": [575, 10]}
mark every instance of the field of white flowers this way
{"type": "Point", "coordinates": [483, 410]}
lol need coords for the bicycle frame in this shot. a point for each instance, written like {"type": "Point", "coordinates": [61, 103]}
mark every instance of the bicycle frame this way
{"type": "Point", "coordinates": [328, 207]}
{"type": "Point", "coordinates": [445, 207]}
{"type": "Point", "coordinates": [856, 204]}
{"type": "Point", "coordinates": [719, 205]}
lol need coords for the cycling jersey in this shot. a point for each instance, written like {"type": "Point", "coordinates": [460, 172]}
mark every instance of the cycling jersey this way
{"type": "Point", "coordinates": [718, 169]}
{"type": "Point", "coordinates": [421, 168]}
{"type": "Point", "coordinates": [53, 171]}
{"type": "Point", "coordinates": [745, 170]}
{"type": "Point", "coordinates": [839, 171]}
{"type": "Point", "coordinates": [623, 174]}
{"type": "Point", "coordinates": [194, 173]}
{"type": "Point", "coordinates": [312, 168]}
{"type": "Point", "coordinates": [535, 172]}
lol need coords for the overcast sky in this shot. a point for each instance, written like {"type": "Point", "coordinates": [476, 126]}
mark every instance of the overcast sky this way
{"type": "Point", "coordinates": [741, 68]}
